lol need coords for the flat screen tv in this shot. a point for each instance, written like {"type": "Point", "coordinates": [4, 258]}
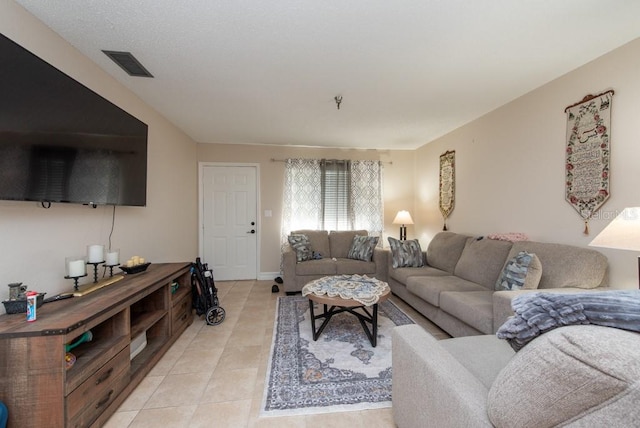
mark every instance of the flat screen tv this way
{"type": "Point", "coordinates": [62, 142]}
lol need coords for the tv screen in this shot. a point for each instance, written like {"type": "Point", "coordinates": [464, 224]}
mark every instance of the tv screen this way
{"type": "Point", "coordinates": [62, 142]}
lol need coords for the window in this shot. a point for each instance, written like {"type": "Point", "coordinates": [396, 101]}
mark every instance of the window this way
{"type": "Point", "coordinates": [336, 194]}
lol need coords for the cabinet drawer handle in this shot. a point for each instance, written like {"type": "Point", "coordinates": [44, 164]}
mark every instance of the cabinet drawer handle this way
{"type": "Point", "coordinates": [184, 317]}
{"type": "Point", "coordinates": [104, 376]}
{"type": "Point", "coordinates": [105, 400]}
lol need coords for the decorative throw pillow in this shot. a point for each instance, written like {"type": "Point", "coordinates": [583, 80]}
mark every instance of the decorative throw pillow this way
{"type": "Point", "coordinates": [362, 247]}
{"type": "Point", "coordinates": [301, 244]}
{"type": "Point", "coordinates": [521, 272]}
{"type": "Point", "coordinates": [405, 253]}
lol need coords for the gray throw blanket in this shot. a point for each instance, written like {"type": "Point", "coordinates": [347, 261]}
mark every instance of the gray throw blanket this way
{"type": "Point", "coordinates": [537, 313]}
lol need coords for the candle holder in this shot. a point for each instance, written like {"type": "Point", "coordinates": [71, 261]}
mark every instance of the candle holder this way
{"type": "Point", "coordinates": [111, 268]}
{"type": "Point", "coordinates": [75, 280]}
{"type": "Point", "coordinates": [95, 269]}
{"type": "Point", "coordinates": [113, 260]}
{"type": "Point", "coordinates": [75, 268]}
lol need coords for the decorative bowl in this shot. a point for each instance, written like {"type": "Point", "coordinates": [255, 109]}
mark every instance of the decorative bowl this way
{"type": "Point", "coordinates": [20, 306]}
{"type": "Point", "coordinates": [135, 269]}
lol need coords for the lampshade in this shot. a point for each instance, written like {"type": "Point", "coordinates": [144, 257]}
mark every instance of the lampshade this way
{"type": "Point", "coordinates": [403, 217]}
{"type": "Point", "coordinates": [623, 233]}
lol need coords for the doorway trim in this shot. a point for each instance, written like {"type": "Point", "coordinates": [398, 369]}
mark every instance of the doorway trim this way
{"type": "Point", "coordinates": [201, 166]}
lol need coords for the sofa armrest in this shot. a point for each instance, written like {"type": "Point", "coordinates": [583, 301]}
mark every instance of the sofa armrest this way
{"type": "Point", "coordinates": [502, 300]}
{"type": "Point", "coordinates": [289, 269]}
{"type": "Point", "coordinates": [430, 387]}
{"type": "Point", "coordinates": [380, 258]}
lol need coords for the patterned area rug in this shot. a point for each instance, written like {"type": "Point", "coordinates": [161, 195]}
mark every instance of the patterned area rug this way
{"type": "Point", "coordinates": [341, 371]}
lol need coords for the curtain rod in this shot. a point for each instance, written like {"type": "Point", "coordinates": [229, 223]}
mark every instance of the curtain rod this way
{"type": "Point", "coordinates": [284, 160]}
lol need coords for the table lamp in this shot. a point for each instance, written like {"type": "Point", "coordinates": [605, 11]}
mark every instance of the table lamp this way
{"type": "Point", "coordinates": [623, 233]}
{"type": "Point", "coordinates": [403, 217]}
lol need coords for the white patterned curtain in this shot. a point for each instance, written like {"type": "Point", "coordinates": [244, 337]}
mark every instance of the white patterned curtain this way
{"type": "Point", "coordinates": [332, 195]}
{"type": "Point", "coordinates": [302, 203]}
{"type": "Point", "coordinates": [367, 205]}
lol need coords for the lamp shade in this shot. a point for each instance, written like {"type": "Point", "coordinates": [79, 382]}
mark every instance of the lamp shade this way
{"type": "Point", "coordinates": [623, 233]}
{"type": "Point", "coordinates": [403, 217]}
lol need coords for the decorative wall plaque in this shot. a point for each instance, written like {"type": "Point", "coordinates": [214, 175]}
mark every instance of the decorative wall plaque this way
{"type": "Point", "coordinates": [447, 184]}
{"type": "Point", "coordinates": [587, 154]}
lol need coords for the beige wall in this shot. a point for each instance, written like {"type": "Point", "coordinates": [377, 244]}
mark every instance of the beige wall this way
{"type": "Point", "coordinates": [35, 241]}
{"type": "Point", "coordinates": [510, 169]}
{"type": "Point", "coordinates": [510, 164]}
{"type": "Point", "coordinates": [398, 185]}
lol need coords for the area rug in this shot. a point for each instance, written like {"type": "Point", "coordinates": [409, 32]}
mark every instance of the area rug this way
{"type": "Point", "coordinates": [341, 371]}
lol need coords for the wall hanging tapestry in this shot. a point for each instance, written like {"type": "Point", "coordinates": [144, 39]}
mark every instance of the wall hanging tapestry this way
{"type": "Point", "coordinates": [447, 184]}
{"type": "Point", "coordinates": [587, 154]}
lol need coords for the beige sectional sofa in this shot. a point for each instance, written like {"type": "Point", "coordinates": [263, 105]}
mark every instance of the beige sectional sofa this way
{"type": "Point", "coordinates": [333, 247]}
{"type": "Point", "coordinates": [575, 376]}
{"type": "Point", "coordinates": [456, 287]}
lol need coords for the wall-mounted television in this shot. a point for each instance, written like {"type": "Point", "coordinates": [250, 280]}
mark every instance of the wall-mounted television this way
{"type": "Point", "coordinates": [62, 142]}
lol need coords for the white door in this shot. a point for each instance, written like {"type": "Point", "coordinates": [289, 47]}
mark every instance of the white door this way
{"type": "Point", "coordinates": [229, 221]}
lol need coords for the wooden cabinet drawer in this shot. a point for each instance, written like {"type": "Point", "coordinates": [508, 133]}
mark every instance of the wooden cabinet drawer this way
{"type": "Point", "coordinates": [94, 394]}
{"type": "Point", "coordinates": [180, 313]}
{"type": "Point", "coordinates": [100, 403]}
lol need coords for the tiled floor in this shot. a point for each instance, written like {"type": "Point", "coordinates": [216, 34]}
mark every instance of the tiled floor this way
{"type": "Point", "coordinates": [213, 376]}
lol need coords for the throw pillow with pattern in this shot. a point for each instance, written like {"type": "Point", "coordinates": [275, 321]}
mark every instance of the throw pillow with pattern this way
{"type": "Point", "coordinates": [362, 248]}
{"type": "Point", "coordinates": [405, 253]}
{"type": "Point", "coordinates": [521, 272]}
{"type": "Point", "coordinates": [302, 246]}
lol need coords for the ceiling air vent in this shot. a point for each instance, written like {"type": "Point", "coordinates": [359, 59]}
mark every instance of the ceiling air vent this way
{"type": "Point", "coordinates": [128, 63]}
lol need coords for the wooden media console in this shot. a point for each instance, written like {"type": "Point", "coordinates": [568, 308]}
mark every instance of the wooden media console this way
{"type": "Point", "coordinates": [35, 384]}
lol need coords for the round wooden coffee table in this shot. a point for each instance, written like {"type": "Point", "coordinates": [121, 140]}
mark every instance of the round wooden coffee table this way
{"type": "Point", "coordinates": [339, 294]}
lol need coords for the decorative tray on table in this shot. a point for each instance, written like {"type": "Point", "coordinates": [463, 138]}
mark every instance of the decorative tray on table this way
{"type": "Point", "coordinates": [135, 269]}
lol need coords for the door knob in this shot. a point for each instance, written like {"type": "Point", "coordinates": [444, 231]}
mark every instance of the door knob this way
{"type": "Point", "coordinates": [252, 231]}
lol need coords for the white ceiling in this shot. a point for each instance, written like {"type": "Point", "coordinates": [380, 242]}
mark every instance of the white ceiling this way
{"type": "Point", "coordinates": [267, 72]}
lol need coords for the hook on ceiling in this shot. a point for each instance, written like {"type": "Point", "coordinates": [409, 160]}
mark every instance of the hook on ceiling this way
{"type": "Point", "coordinates": [338, 99]}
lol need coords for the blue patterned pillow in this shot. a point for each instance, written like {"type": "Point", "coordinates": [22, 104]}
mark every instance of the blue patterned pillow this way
{"type": "Point", "coordinates": [405, 253]}
{"type": "Point", "coordinates": [521, 272]}
{"type": "Point", "coordinates": [301, 244]}
{"type": "Point", "coordinates": [362, 247]}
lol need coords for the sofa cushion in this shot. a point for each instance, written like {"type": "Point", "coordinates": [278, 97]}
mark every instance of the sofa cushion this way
{"type": "Point", "coordinates": [301, 245]}
{"type": "Point", "coordinates": [362, 247]}
{"type": "Point", "coordinates": [444, 250]}
{"type": "Point", "coordinates": [350, 266]}
{"type": "Point", "coordinates": [482, 260]}
{"type": "Point", "coordinates": [319, 240]}
{"type": "Point", "coordinates": [402, 274]}
{"type": "Point", "coordinates": [316, 267]}
{"type": "Point", "coordinates": [567, 374]}
{"type": "Point", "coordinates": [340, 241]}
{"type": "Point", "coordinates": [474, 308]}
{"type": "Point", "coordinates": [428, 288]}
{"type": "Point", "coordinates": [520, 272]}
{"type": "Point", "coordinates": [566, 265]}
{"type": "Point", "coordinates": [405, 253]}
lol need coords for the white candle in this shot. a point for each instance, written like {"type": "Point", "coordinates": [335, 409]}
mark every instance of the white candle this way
{"type": "Point", "coordinates": [96, 253]}
{"type": "Point", "coordinates": [113, 258]}
{"type": "Point", "coordinates": [76, 268]}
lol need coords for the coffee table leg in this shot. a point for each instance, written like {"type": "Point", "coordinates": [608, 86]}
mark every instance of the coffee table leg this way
{"type": "Point", "coordinates": [313, 319]}
{"type": "Point", "coordinates": [374, 325]}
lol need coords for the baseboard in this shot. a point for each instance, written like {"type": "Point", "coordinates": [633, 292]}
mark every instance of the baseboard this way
{"type": "Point", "coordinates": [268, 276]}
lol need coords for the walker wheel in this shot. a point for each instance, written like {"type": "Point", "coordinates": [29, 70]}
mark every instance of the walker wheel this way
{"type": "Point", "coordinates": [215, 316]}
